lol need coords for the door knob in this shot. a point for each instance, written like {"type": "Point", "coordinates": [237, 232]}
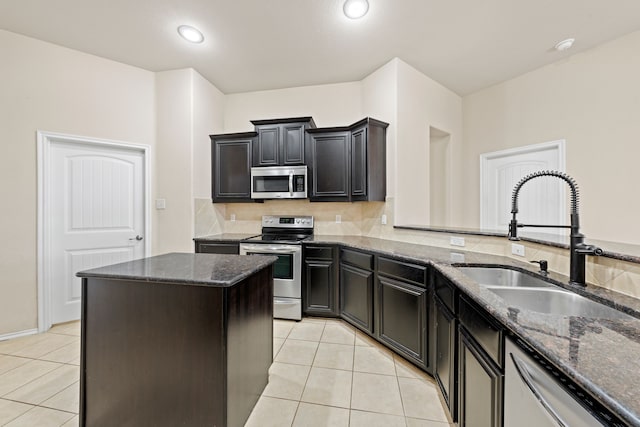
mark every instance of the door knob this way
{"type": "Point", "coordinates": [138, 237]}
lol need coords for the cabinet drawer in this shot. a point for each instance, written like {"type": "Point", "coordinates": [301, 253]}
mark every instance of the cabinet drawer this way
{"type": "Point", "coordinates": [484, 330]}
{"type": "Point", "coordinates": [416, 274]}
{"type": "Point", "coordinates": [446, 292]}
{"type": "Point", "coordinates": [218, 248]}
{"type": "Point", "coordinates": [322, 252]}
{"type": "Point", "coordinates": [357, 258]}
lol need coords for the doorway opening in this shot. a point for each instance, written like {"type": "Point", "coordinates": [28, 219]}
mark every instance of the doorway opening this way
{"type": "Point", "coordinates": [542, 201]}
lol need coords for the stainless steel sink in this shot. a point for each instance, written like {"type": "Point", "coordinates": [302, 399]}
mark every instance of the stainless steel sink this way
{"type": "Point", "coordinates": [496, 276]}
{"type": "Point", "coordinates": [524, 291]}
{"type": "Point", "coordinates": [556, 301]}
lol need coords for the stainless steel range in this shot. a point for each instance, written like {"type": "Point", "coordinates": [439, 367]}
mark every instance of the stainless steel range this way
{"type": "Point", "coordinates": [282, 236]}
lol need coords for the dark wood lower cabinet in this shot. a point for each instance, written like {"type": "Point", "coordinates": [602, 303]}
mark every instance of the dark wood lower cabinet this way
{"type": "Point", "coordinates": [402, 314]}
{"type": "Point", "coordinates": [320, 281]}
{"type": "Point", "coordinates": [218, 248]}
{"type": "Point", "coordinates": [173, 354]}
{"type": "Point", "coordinates": [480, 385]}
{"type": "Point", "coordinates": [445, 360]}
{"type": "Point", "coordinates": [356, 296]}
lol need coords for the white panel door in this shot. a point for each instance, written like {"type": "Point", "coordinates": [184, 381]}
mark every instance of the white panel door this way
{"type": "Point", "coordinates": [540, 201]}
{"type": "Point", "coordinates": [97, 216]}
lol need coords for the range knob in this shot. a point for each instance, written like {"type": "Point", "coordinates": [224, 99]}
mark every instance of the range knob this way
{"type": "Point", "coordinates": [297, 220]}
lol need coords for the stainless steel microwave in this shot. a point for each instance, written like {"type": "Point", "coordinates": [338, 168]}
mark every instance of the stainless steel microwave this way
{"type": "Point", "coordinates": [279, 182]}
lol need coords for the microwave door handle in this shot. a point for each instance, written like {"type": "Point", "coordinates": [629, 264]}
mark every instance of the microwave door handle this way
{"type": "Point", "coordinates": [291, 183]}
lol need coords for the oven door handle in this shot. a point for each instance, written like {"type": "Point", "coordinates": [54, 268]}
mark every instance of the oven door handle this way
{"type": "Point", "coordinates": [265, 248]}
{"type": "Point", "coordinates": [291, 183]}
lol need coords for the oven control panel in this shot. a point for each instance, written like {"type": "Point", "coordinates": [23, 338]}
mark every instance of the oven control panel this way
{"type": "Point", "coordinates": [281, 221]}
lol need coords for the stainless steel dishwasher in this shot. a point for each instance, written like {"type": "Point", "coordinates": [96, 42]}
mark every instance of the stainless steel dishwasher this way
{"type": "Point", "coordinates": [536, 394]}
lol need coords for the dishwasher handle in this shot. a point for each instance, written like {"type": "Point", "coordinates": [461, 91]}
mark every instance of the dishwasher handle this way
{"type": "Point", "coordinates": [521, 367]}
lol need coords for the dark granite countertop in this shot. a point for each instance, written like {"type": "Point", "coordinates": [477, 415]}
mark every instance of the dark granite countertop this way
{"type": "Point", "coordinates": [186, 269]}
{"type": "Point", "coordinates": [600, 355]}
{"type": "Point", "coordinates": [224, 237]}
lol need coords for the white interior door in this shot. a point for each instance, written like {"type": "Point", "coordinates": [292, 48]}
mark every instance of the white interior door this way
{"type": "Point", "coordinates": [540, 201]}
{"type": "Point", "coordinates": [96, 215]}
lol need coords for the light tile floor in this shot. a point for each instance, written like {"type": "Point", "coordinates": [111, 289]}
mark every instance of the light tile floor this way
{"type": "Point", "coordinates": [325, 373]}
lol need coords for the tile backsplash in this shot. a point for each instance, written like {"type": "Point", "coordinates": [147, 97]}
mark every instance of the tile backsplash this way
{"type": "Point", "coordinates": [364, 219]}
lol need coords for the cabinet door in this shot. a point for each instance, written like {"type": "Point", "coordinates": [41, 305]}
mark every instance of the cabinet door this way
{"type": "Point", "coordinates": [293, 144]}
{"type": "Point", "coordinates": [359, 163]}
{"type": "Point", "coordinates": [445, 363]}
{"type": "Point", "coordinates": [356, 296]}
{"type": "Point", "coordinates": [267, 147]}
{"type": "Point", "coordinates": [480, 383]}
{"type": "Point", "coordinates": [329, 153]}
{"type": "Point", "coordinates": [231, 173]}
{"type": "Point", "coordinates": [402, 311]}
{"type": "Point", "coordinates": [218, 248]}
{"type": "Point", "coordinates": [320, 287]}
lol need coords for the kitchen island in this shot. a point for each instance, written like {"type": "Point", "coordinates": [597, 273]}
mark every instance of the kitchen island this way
{"type": "Point", "coordinates": [176, 339]}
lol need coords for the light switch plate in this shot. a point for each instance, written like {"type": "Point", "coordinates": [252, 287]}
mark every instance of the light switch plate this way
{"type": "Point", "coordinates": [456, 241]}
{"type": "Point", "coordinates": [384, 219]}
{"type": "Point", "coordinates": [338, 219]}
{"type": "Point", "coordinates": [161, 203]}
{"type": "Point", "coordinates": [517, 249]}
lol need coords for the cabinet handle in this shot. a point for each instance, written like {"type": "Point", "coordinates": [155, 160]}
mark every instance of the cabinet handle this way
{"type": "Point", "coordinates": [138, 238]}
{"type": "Point", "coordinates": [291, 183]}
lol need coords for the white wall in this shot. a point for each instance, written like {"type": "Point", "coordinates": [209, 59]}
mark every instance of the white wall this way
{"type": "Point", "coordinates": [174, 159]}
{"type": "Point", "coordinates": [208, 119]}
{"type": "Point", "coordinates": [422, 103]}
{"type": "Point", "coordinates": [189, 109]}
{"type": "Point", "coordinates": [50, 88]}
{"type": "Point", "coordinates": [329, 105]}
{"type": "Point", "coordinates": [591, 99]}
{"type": "Point", "coordinates": [380, 101]}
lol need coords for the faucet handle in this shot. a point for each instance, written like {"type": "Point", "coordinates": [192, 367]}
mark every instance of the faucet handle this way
{"type": "Point", "coordinates": [544, 265]}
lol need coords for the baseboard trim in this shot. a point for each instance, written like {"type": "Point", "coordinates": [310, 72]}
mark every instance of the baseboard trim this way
{"type": "Point", "coordinates": [19, 334]}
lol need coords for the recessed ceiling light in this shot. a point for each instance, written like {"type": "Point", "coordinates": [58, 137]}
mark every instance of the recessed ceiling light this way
{"type": "Point", "coordinates": [355, 9]}
{"type": "Point", "coordinates": [190, 34]}
{"type": "Point", "coordinates": [564, 45]}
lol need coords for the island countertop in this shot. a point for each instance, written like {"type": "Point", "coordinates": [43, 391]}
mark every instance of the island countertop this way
{"type": "Point", "coordinates": [185, 268]}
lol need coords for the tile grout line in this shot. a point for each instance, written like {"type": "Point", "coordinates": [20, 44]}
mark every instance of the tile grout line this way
{"type": "Point", "coordinates": [308, 375]}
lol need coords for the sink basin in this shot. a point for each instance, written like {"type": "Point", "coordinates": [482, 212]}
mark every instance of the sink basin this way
{"type": "Point", "coordinates": [521, 290]}
{"type": "Point", "coordinates": [556, 301]}
{"type": "Point", "coordinates": [496, 276]}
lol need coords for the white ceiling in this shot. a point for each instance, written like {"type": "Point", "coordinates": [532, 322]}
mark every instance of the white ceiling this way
{"type": "Point", "coordinates": [268, 44]}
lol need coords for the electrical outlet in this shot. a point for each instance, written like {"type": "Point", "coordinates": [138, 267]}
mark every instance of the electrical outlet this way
{"type": "Point", "coordinates": [517, 249]}
{"type": "Point", "coordinates": [457, 257]}
{"type": "Point", "coordinates": [383, 219]}
{"type": "Point", "coordinates": [456, 241]}
{"type": "Point", "coordinates": [338, 219]}
{"type": "Point", "coordinates": [161, 203]}
{"type": "Point", "coordinates": [233, 217]}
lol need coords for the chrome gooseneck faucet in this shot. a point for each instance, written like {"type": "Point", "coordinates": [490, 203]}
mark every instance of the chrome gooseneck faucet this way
{"type": "Point", "coordinates": [578, 249]}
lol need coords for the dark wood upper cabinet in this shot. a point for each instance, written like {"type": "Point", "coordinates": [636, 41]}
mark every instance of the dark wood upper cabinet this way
{"type": "Point", "coordinates": [369, 160]}
{"type": "Point", "coordinates": [348, 163]}
{"type": "Point", "coordinates": [231, 167]}
{"type": "Point", "coordinates": [328, 166]}
{"type": "Point", "coordinates": [280, 142]}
